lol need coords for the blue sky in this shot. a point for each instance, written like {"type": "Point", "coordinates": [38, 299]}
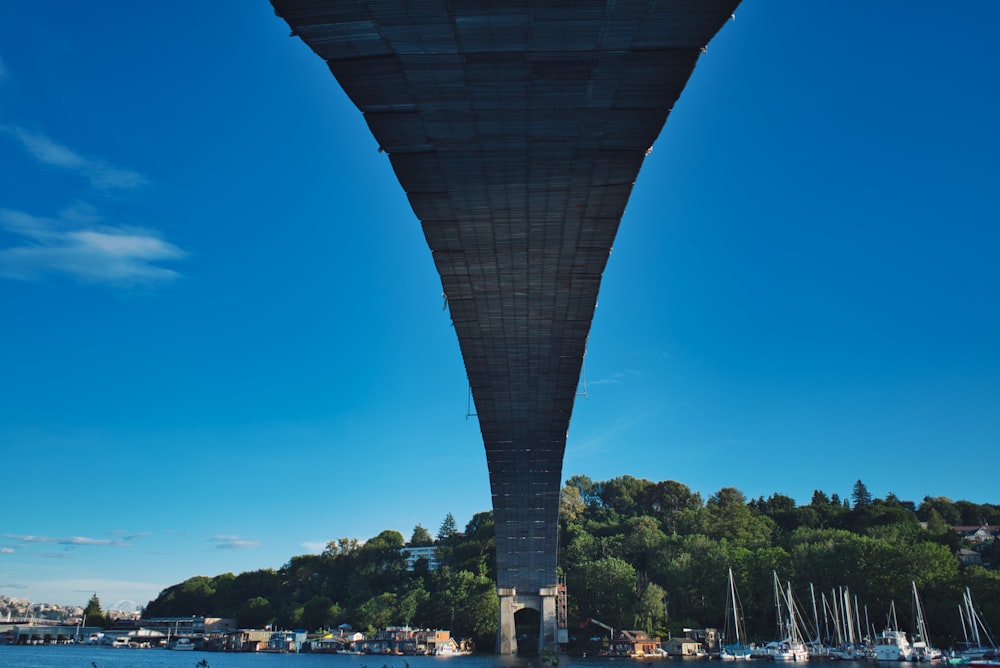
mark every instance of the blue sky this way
{"type": "Point", "coordinates": [222, 340]}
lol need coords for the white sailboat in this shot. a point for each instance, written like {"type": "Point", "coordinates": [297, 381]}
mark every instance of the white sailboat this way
{"type": "Point", "coordinates": [922, 648]}
{"type": "Point", "coordinates": [737, 651]}
{"type": "Point", "coordinates": [789, 646]}
{"type": "Point", "coordinates": [848, 643]}
{"type": "Point", "coordinates": [819, 646]}
{"type": "Point", "coordinates": [978, 642]}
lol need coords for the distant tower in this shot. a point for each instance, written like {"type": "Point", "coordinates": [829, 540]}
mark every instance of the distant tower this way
{"type": "Point", "coordinates": [517, 130]}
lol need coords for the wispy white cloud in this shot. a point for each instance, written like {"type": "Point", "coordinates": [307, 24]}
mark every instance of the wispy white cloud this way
{"type": "Point", "coordinates": [77, 245]}
{"type": "Point", "coordinates": [229, 542]}
{"type": "Point", "coordinates": [84, 540]}
{"type": "Point", "coordinates": [127, 535]}
{"type": "Point", "coordinates": [314, 547]}
{"type": "Point", "coordinates": [7, 550]}
{"type": "Point", "coordinates": [124, 541]}
{"type": "Point", "coordinates": [616, 378]}
{"type": "Point", "coordinates": [101, 175]}
{"type": "Point", "coordinates": [28, 539]}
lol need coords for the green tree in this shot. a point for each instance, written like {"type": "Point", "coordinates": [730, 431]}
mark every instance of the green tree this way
{"type": "Point", "coordinates": [379, 566]}
{"type": "Point", "coordinates": [936, 525]}
{"type": "Point", "coordinates": [476, 551]}
{"type": "Point", "coordinates": [589, 491]}
{"type": "Point", "coordinates": [571, 504]}
{"type": "Point", "coordinates": [728, 516]}
{"type": "Point", "coordinates": [929, 565]}
{"type": "Point", "coordinates": [579, 547]}
{"type": "Point", "coordinates": [410, 601]}
{"type": "Point", "coordinates": [194, 596]}
{"type": "Point", "coordinates": [782, 510]}
{"type": "Point", "coordinates": [650, 613]}
{"type": "Point", "coordinates": [319, 612]}
{"type": "Point", "coordinates": [626, 495]}
{"type": "Point", "coordinates": [256, 613]}
{"type": "Point", "coordinates": [860, 495]}
{"type": "Point", "coordinates": [463, 602]}
{"type": "Point", "coordinates": [609, 584]}
{"type": "Point", "coordinates": [378, 612]}
{"type": "Point", "coordinates": [670, 502]}
{"type": "Point", "coordinates": [421, 537]}
{"type": "Point", "coordinates": [448, 527]}
{"type": "Point", "coordinates": [341, 547]}
{"type": "Point", "coordinates": [93, 614]}
{"type": "Point", "coordinates": [643, 543]}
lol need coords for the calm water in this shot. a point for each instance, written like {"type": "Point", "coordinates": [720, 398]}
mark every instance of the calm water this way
{"type": "Point", "coordinates": [86, 656]}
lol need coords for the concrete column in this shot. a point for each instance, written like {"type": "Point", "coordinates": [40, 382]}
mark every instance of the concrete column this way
{"type": "Point", "coordinates": [547, 637]}
{"type": "Point", "coordinates": [506, 633]}
{"type": "Point", "coordinates": [511, 602]}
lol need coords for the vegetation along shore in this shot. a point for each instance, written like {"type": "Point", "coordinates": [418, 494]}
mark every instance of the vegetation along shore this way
{"type": "Point", "coordinates": [636, 554]}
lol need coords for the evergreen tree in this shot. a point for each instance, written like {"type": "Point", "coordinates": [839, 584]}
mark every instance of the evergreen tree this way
{"type": "Point", "coordinates": [92, 614]}
{"type": "Point", "coordinates": [448, 527]}
{"type": "Point", "coordinates": [819, 498]}
{"type": "Point", "coordinates": [860, 495]}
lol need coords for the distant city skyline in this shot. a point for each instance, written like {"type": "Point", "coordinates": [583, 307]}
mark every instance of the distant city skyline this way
{"type": "Point", "coordinates": [223, 337]}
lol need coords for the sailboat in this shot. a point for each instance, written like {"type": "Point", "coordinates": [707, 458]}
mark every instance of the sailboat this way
{"type": "Point", "coordinates": [819, 646]}
{"type": "Point", "coordinates": [737, 651]}
{"type": "Point", "coordinates": [922, 648]}
{"type": "Point", "coordinates": [978, 644]}
{"type": "Point", "coordinates": [789, 646]}
{"type": "Point", "coordinates": [848, 637]}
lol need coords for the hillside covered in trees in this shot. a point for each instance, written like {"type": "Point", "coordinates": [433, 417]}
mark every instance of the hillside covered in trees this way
{"type": "Point", "coordinates": [635, 554]}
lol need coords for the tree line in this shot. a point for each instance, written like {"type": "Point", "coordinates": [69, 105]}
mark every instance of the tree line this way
{"type": "Point", "coordinates": [635, 554]}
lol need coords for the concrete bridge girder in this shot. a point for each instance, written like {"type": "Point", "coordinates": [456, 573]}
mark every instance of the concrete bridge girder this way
{"type": "Point", "coordinates": [517, 131]}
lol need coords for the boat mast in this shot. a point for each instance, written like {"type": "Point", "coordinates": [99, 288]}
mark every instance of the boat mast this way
{"type": "Point", "coordinates": [965, 629]}
{"type": "Point", "coordinates": [777, 604]}
{"type": "Point", "coordinates": [835, 613]}
{"type": "Point", "coordinates": [976, 622]}
{"type": "Point", "coordinates": [972, 618]}
{"type": "Point", "coordinates": [826, 617]}
{"type": "Point", "coordinates": [812, 595]}
{"type": "Point", "coordinates": [736, 616]}
{"type": "Point", "coordinates": [794, 633]}
{"type": "Point", "coordinates": [921, 623]}
{"type": "Point", "coordinates": [849, 615]}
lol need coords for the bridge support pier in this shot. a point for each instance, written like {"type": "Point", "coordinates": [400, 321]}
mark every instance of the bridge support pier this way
{"type": "Point", "coordinates": [546, 603]}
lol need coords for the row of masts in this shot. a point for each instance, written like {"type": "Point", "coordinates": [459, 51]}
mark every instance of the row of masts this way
{"type": "Point", "coordinates": [841, 620]}
{"type": "Point", "coordinates": [973, 629]}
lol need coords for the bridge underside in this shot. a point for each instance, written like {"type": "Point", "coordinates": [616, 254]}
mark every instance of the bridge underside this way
{"type": "Point", "coordinates": [517, 130]}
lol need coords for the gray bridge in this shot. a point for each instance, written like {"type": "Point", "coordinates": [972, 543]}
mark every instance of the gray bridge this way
{"type": "Point", "coordinates": [517, 130]}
